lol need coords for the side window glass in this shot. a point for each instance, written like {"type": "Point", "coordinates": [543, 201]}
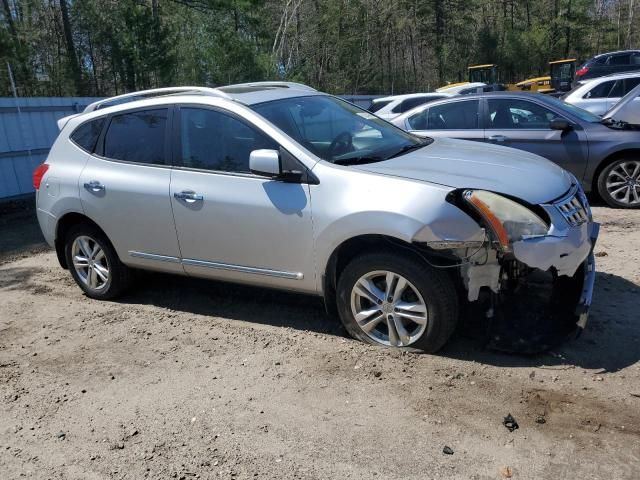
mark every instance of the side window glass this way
{"type": "Point", "coordinates": [213, 140]}
{"type": "Point", "coordinates": [453, 116]}
{"type": "Point", "coordinates": [630, 84]}
{"type": "Point", "coordinates": [137, 137]}
{"type": "Point", "coordinates": [620, 59]}
{"type": "Point", "coordinates": [601, 90]}
{"type": "Point", "coordinates": [635, 59]}
{"type": "Point", "coordinates": [410, 103]}
{"type": "Point", "coordinates": [518, 114]}
{"type": "Point", "coordinates": [86, 135]}
{"type": "Point", "coordinates": [418, 121]}
{"type": "Point", "coordinates": [617, 89]}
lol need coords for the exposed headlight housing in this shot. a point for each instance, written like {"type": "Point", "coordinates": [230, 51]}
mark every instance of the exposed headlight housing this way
{"type": "Point", "coordinates": [508, 220]}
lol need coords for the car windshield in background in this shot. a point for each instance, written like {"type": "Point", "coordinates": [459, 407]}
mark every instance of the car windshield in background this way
{"type": "Point", "coordinates": [583, 115]}
{"type": "Point", "coordinates": [338, 131]}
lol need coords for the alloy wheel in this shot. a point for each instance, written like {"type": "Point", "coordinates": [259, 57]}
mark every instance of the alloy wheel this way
{"type": "Point", "coordinates": [623, 182]}
{"type": "Point", "coordinates": [90, 263]}
{"type": "Point", "coordinates": [389, 308]}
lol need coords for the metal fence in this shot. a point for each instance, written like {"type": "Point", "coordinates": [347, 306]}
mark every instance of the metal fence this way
{"type": "Point", "coordinates": [28, 128]}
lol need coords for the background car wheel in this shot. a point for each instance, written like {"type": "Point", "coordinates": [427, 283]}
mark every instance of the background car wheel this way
{"type": "Point", "coordinates": [619, 184]}
{"type": "Point", "coordinates": [394, 300]}
{"type": "Point", "coordinates": [94, 264]}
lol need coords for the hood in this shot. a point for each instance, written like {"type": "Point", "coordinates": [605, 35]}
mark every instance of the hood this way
{"type": "Point", "coordinates": [627, 110]}
{"type": "Point", "coordinates": [466, 164]}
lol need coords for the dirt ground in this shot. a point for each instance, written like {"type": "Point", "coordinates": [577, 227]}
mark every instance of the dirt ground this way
{"type": "Point", "coordinates": [193, 379]}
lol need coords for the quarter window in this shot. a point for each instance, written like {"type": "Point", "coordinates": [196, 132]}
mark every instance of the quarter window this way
{"type": "Point", "coordinates": [518, 114]}
{"type": "Point", "coordinates": [86, 135]}
{"type": "Point", "coordinates": [448, 116]}
{"type": "Point", "coordinates": [137, 137]}
{"type": "Point", "coordinates": [213, 140]}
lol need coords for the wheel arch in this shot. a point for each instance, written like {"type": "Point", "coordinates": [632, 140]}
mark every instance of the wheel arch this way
{"type": "Point", "coordinates": [358, 245]}
{"type": "Point", "coordinates": [628, 152]}
{"type": "Point", "coordinates": [63, 225]}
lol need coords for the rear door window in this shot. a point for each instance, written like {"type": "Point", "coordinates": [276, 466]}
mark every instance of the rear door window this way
{"type": "Point", "coordinates": [137, 137]}
{"type": "Point", "coordinates": [86, 135]}
{"type": "Point", "coordinates": [448, 116]}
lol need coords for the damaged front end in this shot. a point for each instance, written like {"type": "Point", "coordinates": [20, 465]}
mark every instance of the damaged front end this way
{"type": "Point", "coordinates": [532, 276]}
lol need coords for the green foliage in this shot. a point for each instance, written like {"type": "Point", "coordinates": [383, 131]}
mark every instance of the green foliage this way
{"type": "Point", "coordinates": [343, 46]}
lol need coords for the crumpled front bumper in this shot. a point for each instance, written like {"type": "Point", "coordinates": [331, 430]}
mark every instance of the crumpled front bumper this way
{"type": "Point", "coordinates": [567, 252]}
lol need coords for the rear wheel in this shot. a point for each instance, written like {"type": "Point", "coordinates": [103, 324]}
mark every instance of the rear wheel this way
{"type": "Point", "coordinates": [619, 184]}
{"type": "Point", "coordinates": [94, 264]}
{"type": "Point", "coordinates": [392, 300]}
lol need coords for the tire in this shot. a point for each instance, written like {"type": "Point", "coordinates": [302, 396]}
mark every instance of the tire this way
{"type": "Point", "coordinates": [426, 288]}
{"type": "Point", "coordinates": [110, 276]}
{"type": "Point", "coordinates": [613, 178]}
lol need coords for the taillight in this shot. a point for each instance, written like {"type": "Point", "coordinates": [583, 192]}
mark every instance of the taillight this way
{"type": "Point", "coordinates": [582, 71]}
{"type": "Point", "coordinates": [38, 173]}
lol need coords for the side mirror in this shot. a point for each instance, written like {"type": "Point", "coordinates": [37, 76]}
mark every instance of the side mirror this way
{"type": "Point", "coordinates": [265, 163]}
{"type": "Point", "coordinates": [560, 124]}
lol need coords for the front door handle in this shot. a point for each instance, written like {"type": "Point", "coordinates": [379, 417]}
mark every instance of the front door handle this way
{"type": "Point", "coordinates": [188, 196]}
{"type": "Point", "coordinates": [94, 186]}
{"type": "Point", "coordinates": [498, 138]}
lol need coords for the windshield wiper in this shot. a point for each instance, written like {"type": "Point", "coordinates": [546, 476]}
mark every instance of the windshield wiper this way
{"type": "Point", "coordinates": [408, 148]}
{"type": "Point", "coordinates": [357, 160]}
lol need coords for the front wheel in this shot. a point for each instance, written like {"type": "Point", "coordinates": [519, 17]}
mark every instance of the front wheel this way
{"type": "Point", "coordinates": [94, 264]}
{"type": "Point", "coordinates": [394, 300]}
{"type": "Point", "coordinates": [619, 184]}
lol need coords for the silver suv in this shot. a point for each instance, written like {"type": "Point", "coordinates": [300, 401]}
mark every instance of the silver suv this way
{"type": "Point", "coordinates": [278, 185]}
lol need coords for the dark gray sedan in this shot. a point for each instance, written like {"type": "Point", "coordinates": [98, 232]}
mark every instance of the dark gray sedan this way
{"type": "Point", "coordinates": [603, 155]}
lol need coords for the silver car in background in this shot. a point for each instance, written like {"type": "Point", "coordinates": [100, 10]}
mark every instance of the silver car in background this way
{"type": "Point", "coordinates": [603, 154]}
{"type": "Point", "coordinates": [601, 94]}
{"type": "Point", "coordinates": [278, 185]}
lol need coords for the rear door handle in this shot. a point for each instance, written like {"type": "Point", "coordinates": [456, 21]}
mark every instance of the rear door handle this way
{"type": "Point", "coordinates": [94, 186]}
{"type": "Point", "coordinates": [189, 197]}
{"type": "Point", "coordinates": [498, 138]}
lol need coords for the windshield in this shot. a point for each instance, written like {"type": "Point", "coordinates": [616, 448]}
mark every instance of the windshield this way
{"type": "Point", "coordinates": [583, 115]}
{"type": "Point", "coordinates": [338, 131]}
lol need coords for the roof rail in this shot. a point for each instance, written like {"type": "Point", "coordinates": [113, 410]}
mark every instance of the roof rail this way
{"type": "Point", "coordinates": [155, 92]}
{"type": "Point", "coordinates": [268, 84]}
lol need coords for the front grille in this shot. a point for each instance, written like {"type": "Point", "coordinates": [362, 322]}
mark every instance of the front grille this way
{"type": "Point", "coordinates": [573, 209]}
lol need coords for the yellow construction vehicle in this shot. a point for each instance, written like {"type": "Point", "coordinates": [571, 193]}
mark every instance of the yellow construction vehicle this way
{"type": "Point", "coordinates": [561, 73]}
{"type": "Point", "coordinates": [487, 73]}
{"type": "Point", "coordinates": [560, 78]}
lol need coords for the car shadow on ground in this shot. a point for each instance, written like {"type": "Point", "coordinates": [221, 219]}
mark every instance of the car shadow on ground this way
{"type": "Point", "coordinates": [231, 301]}
{"type": "Point", "coordinates": [611, 341]}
